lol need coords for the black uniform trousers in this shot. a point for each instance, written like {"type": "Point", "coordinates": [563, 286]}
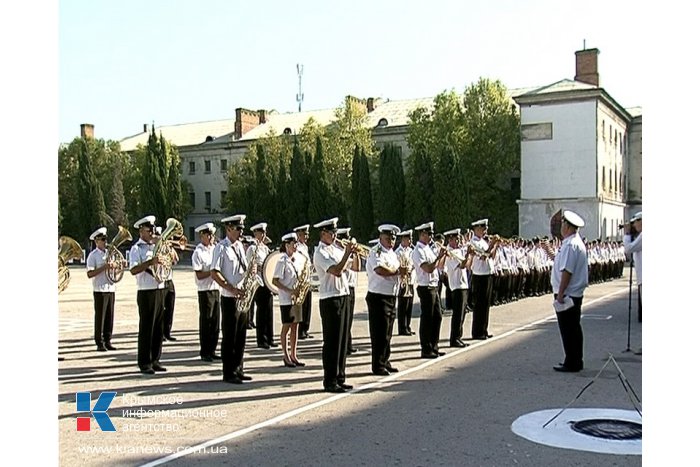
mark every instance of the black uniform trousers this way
{"type": "Point", "coordinates": [104, 317]}
{"type": "Point", "coordinates": [381, 315]}
{"type": "Point", "coordinates": [264, 326]}
{"type": "Point", "coordinates": [351, 313]}
{"type": "Point", "coordinates": [334, 320]}
{"type": "Point", "coordinates": [404, 310]}
{"type": "Point", "coordinates": [169, 307]}
{"type": "Point", "coordinates": [209, 319]}
{"type": "Point", "coordinates": [430, 319]}
{"type": "Point", "coordinates": [481, 291]}
{"type": "Point", "coordinates": [459, 312]}
{"type": "Point", "coordinates": [572, 334]}
{"type": "Point", "coordinates": [305, 315]}
{"type": "Point", "coordinates": [150, 303]}
{"type": "Point", "coordinates": [234, 325]}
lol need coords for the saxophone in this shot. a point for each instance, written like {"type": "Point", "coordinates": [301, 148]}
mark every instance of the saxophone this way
{"type": "Point", "coordinates": [302, 286]}
{"type": "Point", "coordinates": [249, 284]}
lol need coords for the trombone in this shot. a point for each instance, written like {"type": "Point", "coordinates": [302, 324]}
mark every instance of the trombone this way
{"type": "Point", "coordinates": [182, 244]}
{"type": "Point", "coordinates": [362, 250]}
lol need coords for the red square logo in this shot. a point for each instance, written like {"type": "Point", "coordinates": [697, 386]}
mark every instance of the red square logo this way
{"type": "Point", "coordinates": [83, 423]}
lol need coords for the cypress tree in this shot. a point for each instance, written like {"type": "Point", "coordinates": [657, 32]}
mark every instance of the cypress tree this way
{"type": "Point", "coordinates": [153, 184]}
{"type": "Point", "coordinates": [392, 186]}
{"type": "Point", "coordinates": [117, 202]}
{"type": "Point", "coordinates": [298, 194]}
{"type": "Point", "coordinates": [175, 188]}
{"type": "Point", "coordinates": [363, 227]}
{"type": "Point", "coordinates": [319, 191]}
{"type": "Point", "coordinates": [263, 203]}
{"type": "Point", "coordinates": [92, 205]}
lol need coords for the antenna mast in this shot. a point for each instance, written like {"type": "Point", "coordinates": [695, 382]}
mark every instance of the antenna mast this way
{"type": "Point", "coordinates": [300, 95]}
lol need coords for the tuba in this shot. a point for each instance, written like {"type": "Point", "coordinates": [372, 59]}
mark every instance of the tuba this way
{"type": "Point", "coordinates": [115, 257]}
{"type": "Point", "coordinates": [69, 249]}
{"type": "Point", "coordinates": [249, 284]}
{"type": "Point", "coordinates": [164, 249]}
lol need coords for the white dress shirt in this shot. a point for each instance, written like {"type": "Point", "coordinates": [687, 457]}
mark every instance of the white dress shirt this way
{"type": "Point", "coordinates": [95, 260]}
{"type": "Point", "coordinates": [201, 261]}
{"type": "Point", "coordinates": [229, 259]}
{"type": "Point", "coordinates": [424, 254]}
{"type": "Point", "coordinates": [388, 259]}
{"type": "Point", "coordinates": [456, 276]}
{"type": "Point", "coordinates": [287, 270]}
{"type": "Point", "coordinates": [140, 253]}
{"type": "Point", "coordinates": [571, 257]}
{"type": "Point", "coordinates": [325, 257]}
{"type": "Point", "coordinates": [481, 267]}
{"type": "Point", "coordinates": [635, 247]}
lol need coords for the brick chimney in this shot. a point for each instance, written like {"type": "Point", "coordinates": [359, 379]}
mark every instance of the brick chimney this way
{"type": "Point", "coordinates": [262, 116]}
{"type": "Point", "coordinates": [87, 130]}
{"type": "Point", "coordinates": [587, 66]}
{"type": "Point", "coordinates": [145, 127]}
{"type": "Point", "coordinates": [370, 104]}
{"type": "Point", "coordinates": [246, 120]}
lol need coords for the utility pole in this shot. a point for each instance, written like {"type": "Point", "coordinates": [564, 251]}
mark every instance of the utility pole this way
{"type": "Point", "coordinates": [300, 95]}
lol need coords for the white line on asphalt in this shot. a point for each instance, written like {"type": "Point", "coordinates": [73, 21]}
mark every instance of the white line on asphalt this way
{"type": "Point", "coordinates": [329, 400]}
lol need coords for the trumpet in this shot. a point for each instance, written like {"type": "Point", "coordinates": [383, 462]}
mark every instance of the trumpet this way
{"type": "Point", "coordinates": [362, 250]}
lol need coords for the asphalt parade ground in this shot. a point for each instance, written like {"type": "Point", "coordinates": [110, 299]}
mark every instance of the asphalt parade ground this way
{"type": "Point", "coordinates": [455, 410]}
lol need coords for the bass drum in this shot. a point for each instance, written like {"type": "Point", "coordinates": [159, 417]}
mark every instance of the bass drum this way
{"type": "Point", "coordinates": [268, 270]}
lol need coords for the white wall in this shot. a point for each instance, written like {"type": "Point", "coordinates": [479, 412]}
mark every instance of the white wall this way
{"type": "Point", "coordinates": [564, 166]}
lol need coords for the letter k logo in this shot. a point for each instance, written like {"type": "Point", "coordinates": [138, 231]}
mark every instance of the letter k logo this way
{"type": "Point", "coordinates": [99, 411]}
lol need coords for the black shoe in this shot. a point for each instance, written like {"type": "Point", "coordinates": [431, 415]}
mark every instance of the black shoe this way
{"type": "Point", "coordinates": [159, 367]}
{"type": "Point", "coordinates": [457, 344]}
{"type": "Point", "coordinates": [263, 346]}
{"type": "Point", "coordinates": [411, 332]}
{"type": "Point", "coordinates": [250, 326]}
{"type": "Point", "coordinates": [169, 338]}
{"type": "Point", "coordinates": [405, 333]}
{"type": "Point", "coordinates": [274, 344]}
{"type": "Point", "coordinates": [489, 336]}
{"type": "Point", "coordinates": [309, 336]}
{"type": "Point", "coordinates": [289, 364]}
{"type": "Point", "coordinates": [347, 387]}
{"type": "Point", "coordinates": [244, 377]}
{"type": "Point", "coordinates": [381, 372]}
{"type": "Point", "coordinates": [440, 354]}
{"type": "Point", "coordinates": [298, 363]}
{"type": "Point", "coordinates": [392, 369]}
{"type": "Point", "coordinates": [101, 348]}
{"type": "Point", "coordinates": [207, 359]}
{"type": "Point", "coordinates": [148, 371]}
{"type": "Point", "coordinates": [233, 380]}
{"type": "Point", "coordinates": [566, 369]}
{"type": "Point", "coordinates": [216, 357]}
{"type": "Point", "coordinates": [352, 350]}
{"type": "Point", "coordinates": [480, 338]}
{"type": "Point", "coordinates": [109, 346]}
{"type": "Point", "coordinates": [428, 355]}
{"type": "Point", "coordinates": [303, 336]}
{"type": "Point", "coordinates": [334, 388]}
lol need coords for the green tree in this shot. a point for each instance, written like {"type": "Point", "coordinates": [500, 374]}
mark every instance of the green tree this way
{"type": "Point", "coordinates": [392, 186]}
{"type": "Point", "coordinates": [177, 209]}
{"type": "Point", "coordinates": [320, 204]}
{"type": "Point", "coordinates": [92, 213]}
{"type": "Point", "coordinates": [362, 207]}
{"type": "Point", "coordinates": [153, 185]}
{"type": "Point", "coordinates": [298, 195]}
{"type": "Point", "coordinates": [117, 202]}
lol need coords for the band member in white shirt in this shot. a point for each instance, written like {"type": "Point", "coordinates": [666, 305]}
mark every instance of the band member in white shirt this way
{"type": "Point", "coordinates": [426, 264]}
{"type": "Point", "coordinates": [334, 302]}
{"type": "Point", "coordinates": [264, 324]}
{"type": "Point", "coordinates": [351, 272]}
{"type": "Point", "coordinates": [569, 280]}
{"type": "Point", "coordinates": [633, 246]}
{"type": "Point", "coordinates": [168, 294]}
{"type": "Point", "coordinates": [208, 295]}
{"type": "Point", "coordinates": [482, 280]}
{"type": "Point", "coordinates": [456, 266]}
{"type": "Point", "coordinates": [404, 307]}
{"type": "Point", "coordinates": [228, 270]}
{"type": "Point", "coordinates": [286, 277]}
{"type": "Point", "coordinates": [102, 290]}
{"type": "Point", "coordinates": [149, 297]}
{"type": "Point", "coordinates": [383, 272]}
{"type": "Point", "coordinates": [303, 249]}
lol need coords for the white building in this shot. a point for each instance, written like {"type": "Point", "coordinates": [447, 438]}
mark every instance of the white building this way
{"type": "Point", "coordinates": [580, 150]}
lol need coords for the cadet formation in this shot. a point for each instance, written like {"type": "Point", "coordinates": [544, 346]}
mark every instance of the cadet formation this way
{"type": "Point", "coordinates": [237, 277]}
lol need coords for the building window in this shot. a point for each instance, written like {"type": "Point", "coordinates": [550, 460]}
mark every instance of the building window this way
{"type": "Point", "coordinates": [207, 200]}
{"type": "Point", "coordinates": [207, 167]}
{"type": "Point", "coordinates": [223, 198]}
{"type": "Point", "coordinates": [192, 167]}
{"type": "Point", "coordinates": [610, 132]}
{"type": "Point", "coordinates": [224, 165]}
{"type": "Point", "coordinates": [192, 199]}
{"type": "Point", "coordinates": [603, 130]}
{"type": "Point", "coordinates": [610, 181]}
{"type": "Point", "coordinates": [603, 178]}
{"type": "Point", "coordinates": [621, 192]}
{"type": "Point", "coordinates": [615, 179]}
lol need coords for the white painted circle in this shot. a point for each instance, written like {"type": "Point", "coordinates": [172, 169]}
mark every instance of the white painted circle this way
{"type": "Point", "coordinates": [559, 433]}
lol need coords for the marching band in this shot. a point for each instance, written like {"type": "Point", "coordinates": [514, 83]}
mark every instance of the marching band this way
{"type": "Point", "coordinates": [480, 270]}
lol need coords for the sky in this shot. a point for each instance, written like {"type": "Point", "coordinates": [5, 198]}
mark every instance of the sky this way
{"type": "Point", "coordinates": [127, 63]}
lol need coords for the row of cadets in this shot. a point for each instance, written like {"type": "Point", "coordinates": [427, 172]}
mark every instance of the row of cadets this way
{"type": "Point", "coordinates": [330, 262]}
{"type": "Point", "coordinates": [228, 269]}
{"type": "Point", "coordinates": [263, 300]}
{"type": "Point", "coordinates": [208, 295]}
{"type": "Point", "coordinates": [351, 272]}
{"type": "Point", "coordinates": [383, 273]}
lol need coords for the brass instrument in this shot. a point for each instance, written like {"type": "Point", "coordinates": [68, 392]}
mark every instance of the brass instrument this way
{"type": "Point", "coordinates": [68, 249]}
{"type": "Point", "coordinates": [362, 250]}
{"type": "Point", "coordinates": [405, 278]}
{"type": "Point", "coordinates": [182, 244]}
{"type": "Point", "coordinates": [249, 284]}
{"type": "Point", "coordinates": [115, 257]}
{"type": "Point", "coordinates": [301, 287]}
{"type": "Point", "coordinates": [164, 250]}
